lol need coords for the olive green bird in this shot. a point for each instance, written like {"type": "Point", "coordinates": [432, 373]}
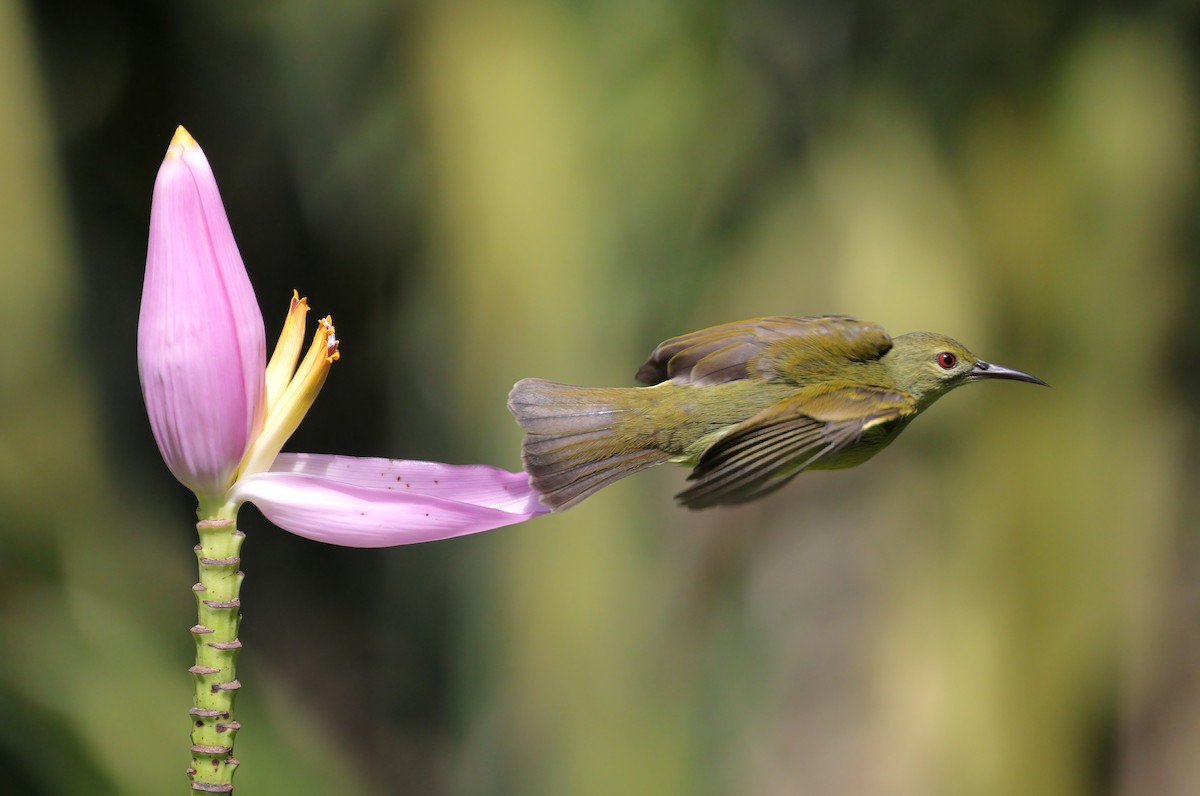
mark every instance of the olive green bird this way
{"type": "Point", "coordinates": [747, 405]}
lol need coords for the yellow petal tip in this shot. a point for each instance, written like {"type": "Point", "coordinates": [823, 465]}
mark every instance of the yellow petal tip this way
{"type": "Point", "coordinates": [181, 141]}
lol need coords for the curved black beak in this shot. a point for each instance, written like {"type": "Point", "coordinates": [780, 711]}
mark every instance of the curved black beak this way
{"type": "Point", "coordinates": [986, 370]}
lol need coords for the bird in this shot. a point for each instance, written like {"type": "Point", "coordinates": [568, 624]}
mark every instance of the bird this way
{"type": "Point", "coordinates": [746, 405]}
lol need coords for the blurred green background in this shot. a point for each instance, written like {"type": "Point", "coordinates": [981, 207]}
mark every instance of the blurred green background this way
{"type": "Point", "coordinates": [1005, 602]}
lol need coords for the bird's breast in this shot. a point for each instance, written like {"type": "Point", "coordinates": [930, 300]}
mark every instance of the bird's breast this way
{"type": "Point", "coordinates": [870, 443]}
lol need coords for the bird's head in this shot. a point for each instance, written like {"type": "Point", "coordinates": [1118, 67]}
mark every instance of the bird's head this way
{"type": "Point", "coordinates": [929, 365]}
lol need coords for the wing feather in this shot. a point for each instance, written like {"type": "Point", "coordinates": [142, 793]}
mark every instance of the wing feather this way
{"type": "Point", "coordinates": [761, 454]}
{"type": "Point", "coordinates": [734, 351]}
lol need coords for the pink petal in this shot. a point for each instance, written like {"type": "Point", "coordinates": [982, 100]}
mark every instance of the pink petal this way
{"type": "Point", "coordinates": [479, 484]}
{"type": "Point", "coordinates": [380, 502]}
{"type": "Point", "coordinates": [201, 346]}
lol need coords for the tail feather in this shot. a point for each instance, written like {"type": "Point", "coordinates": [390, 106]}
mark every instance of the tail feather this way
{"type": "Point", "coordinates": [572, 446]}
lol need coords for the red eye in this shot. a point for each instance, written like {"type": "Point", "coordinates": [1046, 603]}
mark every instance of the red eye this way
{"type": "Point", "coordinates": [947, 360]}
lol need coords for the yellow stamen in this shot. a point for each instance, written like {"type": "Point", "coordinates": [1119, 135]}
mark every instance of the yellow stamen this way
{"type": "Point", "coordinates": [283, 418]}
{"type": "Point", "coordinates": [282, 366]}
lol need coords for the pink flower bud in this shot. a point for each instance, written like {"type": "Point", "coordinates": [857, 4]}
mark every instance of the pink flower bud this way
{"type": "Point", "coordinates": [201, 345]}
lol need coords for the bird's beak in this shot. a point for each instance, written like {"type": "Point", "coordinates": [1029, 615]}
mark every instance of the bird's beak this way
{"type": "Point", "coordinates": [986, 370]}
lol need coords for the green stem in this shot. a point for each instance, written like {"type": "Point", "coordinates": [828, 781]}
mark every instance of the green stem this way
{"type": "Point", "coordinates": [217, 645]}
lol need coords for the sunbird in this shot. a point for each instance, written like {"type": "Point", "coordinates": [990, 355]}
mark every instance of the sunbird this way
{"type": "Point", "coordinates": [747, 405]}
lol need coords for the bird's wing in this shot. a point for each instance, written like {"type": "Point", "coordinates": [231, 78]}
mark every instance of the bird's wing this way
{"type": "Point", "coordinates": [761, 454]}
{"type": "Point", "coordinates": [728, 352]}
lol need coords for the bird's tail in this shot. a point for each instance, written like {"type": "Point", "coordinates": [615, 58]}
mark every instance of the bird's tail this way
{"type": "Point", "coordinates": [574, 440]}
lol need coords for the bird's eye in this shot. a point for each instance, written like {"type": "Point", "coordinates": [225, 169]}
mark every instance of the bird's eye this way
{"type": "Point", "coordinates": [947, 360]}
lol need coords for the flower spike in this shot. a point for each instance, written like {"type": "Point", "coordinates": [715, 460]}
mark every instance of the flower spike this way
{"type": "Point", "coordinates": [220, 415]}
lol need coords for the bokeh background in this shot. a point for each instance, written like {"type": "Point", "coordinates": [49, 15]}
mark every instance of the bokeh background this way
{"type": "Point", "coordinates": [1005, 602]}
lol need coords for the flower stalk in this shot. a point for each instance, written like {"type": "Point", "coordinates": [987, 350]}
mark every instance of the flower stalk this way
{"type": "Point", "coordinates": [215, 672]}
